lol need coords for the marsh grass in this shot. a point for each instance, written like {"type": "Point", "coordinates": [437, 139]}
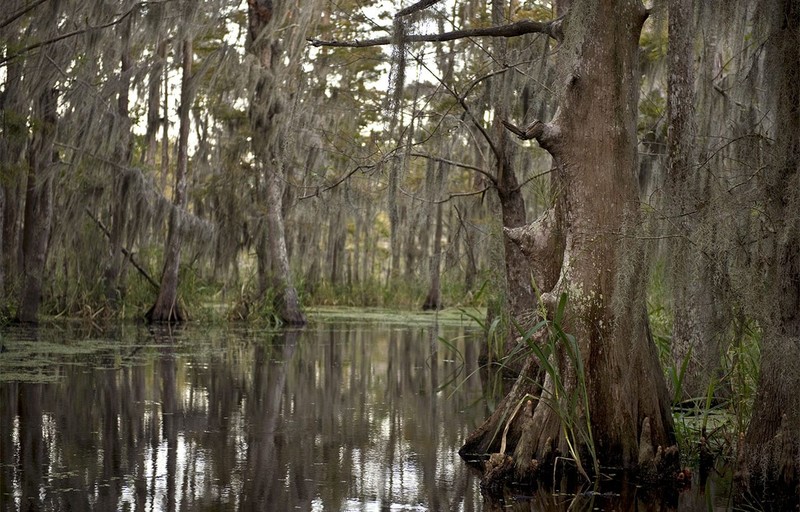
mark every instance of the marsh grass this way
{"type": "Point", "coordinates": [714, 420]}
{"type": "Point", "coordinates": [568, 398]}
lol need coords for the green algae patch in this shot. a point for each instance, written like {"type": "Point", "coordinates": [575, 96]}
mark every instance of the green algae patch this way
{"type": "Point", "coordinates": [453, 317]}
{"type": "Point", "coordinates": [40, 354]}
{"type": "Point", "coordinates": [43, 361]}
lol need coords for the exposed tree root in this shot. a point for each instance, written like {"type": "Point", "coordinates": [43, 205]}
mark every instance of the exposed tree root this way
{"type": "Point", "coordinates": [659, 464]}
{"type": "Point", "coordinates": [173, 315]}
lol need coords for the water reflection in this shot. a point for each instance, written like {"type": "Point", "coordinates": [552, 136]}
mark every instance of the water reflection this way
{"type": "Point", "coordinates": [335, 418]}
{"type": "Point", "coordinates": [338, 417]}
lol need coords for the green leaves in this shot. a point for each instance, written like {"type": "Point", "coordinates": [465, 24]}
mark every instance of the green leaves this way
{"type": "Point", "coordinates": [565, 389]}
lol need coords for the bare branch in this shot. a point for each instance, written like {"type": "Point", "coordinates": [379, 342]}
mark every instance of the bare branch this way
{"type": "Point", "coordinates": [21, 13]}
{"type": "Point", "coordinates": [419, 6]}
{"type": "Point", "coordinates": [486, 173]}
{"type": "Point", "coordinates": [535, 176]}
{"type": "Point", "coordinates": [461, 98]}
{"type": "Point", "coordinates": [339, 181]}
{"type": "Point", "coordinates": [453, 195]}
{"type": "Point", "coordinates": [128, 255]}
{"type": "Point", "coordinates": [74, 33]}
{"type": "Point", "coordinates": [551, 28]}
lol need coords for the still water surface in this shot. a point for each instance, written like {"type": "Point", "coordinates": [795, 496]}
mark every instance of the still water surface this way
{"type": "Point", "coordinates": [334, 417]}
{"type": "Point", "coordinates": [339, 416]}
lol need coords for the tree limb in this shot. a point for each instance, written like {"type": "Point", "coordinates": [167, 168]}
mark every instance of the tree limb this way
{"type": "Point", "coordinates": [546, 134]}
{"type": "Point", "coordinates": [453, 195]}
{"type": "Point", "coordinates": [519, 28]}
{"type": "Point", "coordinates": [486, 173]}
{"type": "Point", "coordinates": [21, 13]}
{"type": "Point", "coordinates": [73, 33]}
{"type": "Point", "coordinates": [339, 181]}
{"type": "Point", "coordinates": [419, 6]}
{"type": "Point", "coordinates": [126, 252]}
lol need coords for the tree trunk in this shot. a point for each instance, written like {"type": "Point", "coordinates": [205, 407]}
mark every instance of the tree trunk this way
{"type": "Point", "coordinates": [12, 143]}
{"type": "Point", "coordinates": [165, 127]}
{"type": "Point", "coordinates": [336, 233]}
{"type": "Point", "coordinates": [38, 205]}
{"type": "Point", "coordinates": [166, 308]}
{"type": "Point", "coordinates": [770, 457]}
{"type": "Point", "coordinates": [154, 106]}
{"type": "Point", "coordinates": [3, 299]}
{"type": "Point", "coordinates": [520, 298]}
{"type": "Point", "coordinates": [265, 106]}
{"type": "Point", "coordinates": [288, 303]}
{"type": "Point", "coordinates": [593, 141]}
{"type": "Point", "coordinates": [434, 298]}
{"type": "Point", "coordinates": [471, 272]}
{"type": "Point", "coordinates": [699, 324]}
{"type": "Point", "coordinates": [121, 126]}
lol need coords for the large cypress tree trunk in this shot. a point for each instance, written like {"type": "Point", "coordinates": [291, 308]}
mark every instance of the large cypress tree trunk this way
{"type": "Point", "coordinates": [699, 322]}
{"type": "Point", "coordinates": [166, 308]}
{"type": "Point", "coordinates": [593, 141]}
{"type": "Point", "coordinates": [770, 457]}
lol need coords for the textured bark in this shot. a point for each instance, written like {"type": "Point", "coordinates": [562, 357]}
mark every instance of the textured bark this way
{"type": "Point", "coordinates": [542, 242]}
{"type": "Point", "coordinates": [38, 205]}
{"type": "Point", "coordinates": [520, 298]}
{"type": "Point", "coordinates": [593, 142]}
{"type": "Point", "coordinates": [770, 456]}
{"type": "Point", "coordinates": [12, 143]}
{"type": "Point", "coordinates": [264, 108]}
{"type": "Point", "coordinates": [166, 308]}
{"type": "Point", "coordinates": [699, 323]}
{"type": "Point", "coordinates": [434, 297]}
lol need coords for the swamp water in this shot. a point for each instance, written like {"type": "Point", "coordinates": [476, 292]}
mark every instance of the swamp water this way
{"type": "Point", "coordinates": [342, 415]}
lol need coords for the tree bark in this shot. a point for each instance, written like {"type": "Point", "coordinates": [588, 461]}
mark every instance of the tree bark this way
{"type": "Point", "coordinates": [434, 298]}
{"type": "Point", "coordinates": [699, 323]}
{"type": "Point", "coordinates": [38, 205]}
{"type": "Point", "coordinates": [166, 308]}
{"type": "Point", "coordinates": [770, 452]}
{"type": "Point", "coordinates": [264, 109]}
{"type": "Point", "coordinates": [11, 144]}
{"type": "Point", "coordinates": [3, 301]}
{"type": "Point", "coordinates": [593, 141]}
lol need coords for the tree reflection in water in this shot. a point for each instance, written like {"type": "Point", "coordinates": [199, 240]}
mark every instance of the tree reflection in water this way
{"type": "Point", "coordinates": [334, 418]}
{"type": "Point", "coordinates": [338, 417]}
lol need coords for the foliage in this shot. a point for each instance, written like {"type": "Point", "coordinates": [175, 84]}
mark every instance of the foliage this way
{"type": "Point", "coordinates": [715, 420]}
{"type": "Point", "coordinates": [568, 397]}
